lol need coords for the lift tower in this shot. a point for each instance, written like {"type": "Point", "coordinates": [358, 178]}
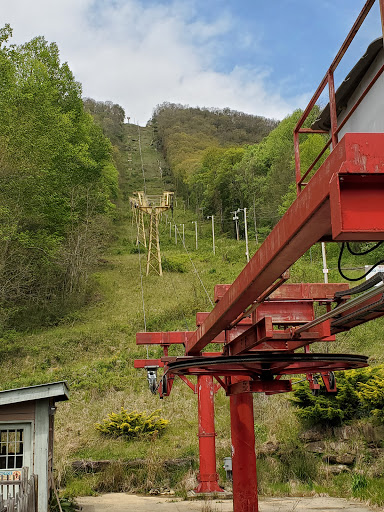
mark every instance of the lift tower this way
{"type": "Point", "coordinates": [153, 206]}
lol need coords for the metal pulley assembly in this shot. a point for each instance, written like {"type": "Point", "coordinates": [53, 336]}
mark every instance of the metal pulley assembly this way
{"type": "Point", "coordinates": [152, 378]}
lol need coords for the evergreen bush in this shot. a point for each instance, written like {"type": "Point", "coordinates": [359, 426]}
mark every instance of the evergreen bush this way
{"type": "Point", "coordinates": [360, 395]}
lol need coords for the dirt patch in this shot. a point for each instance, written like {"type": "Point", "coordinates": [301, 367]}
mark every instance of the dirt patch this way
{"type": "Point", "coordinates": [119, 502]}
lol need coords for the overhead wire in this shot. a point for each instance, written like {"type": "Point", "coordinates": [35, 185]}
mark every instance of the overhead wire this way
{"type": "Point", "coordinates": [193, 265]}
{"type": "Point", "coordinates": [141, 158]}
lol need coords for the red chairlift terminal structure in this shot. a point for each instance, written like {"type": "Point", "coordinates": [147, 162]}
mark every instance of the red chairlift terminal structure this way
{"type": "Point", "coordinates": [264, 325]}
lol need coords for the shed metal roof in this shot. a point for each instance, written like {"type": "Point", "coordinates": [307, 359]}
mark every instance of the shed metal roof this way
{"type": "Point", "coordinates": [57, 390]}
{"type": "Point", "coordinates": [348, 86]}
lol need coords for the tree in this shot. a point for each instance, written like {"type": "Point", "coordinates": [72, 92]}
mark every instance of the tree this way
{"type": "Point", "coordinates": [56, 178]}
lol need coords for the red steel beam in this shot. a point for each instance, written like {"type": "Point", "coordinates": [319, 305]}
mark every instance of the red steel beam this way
{"type": "Point", "coordinates": [306, 222]}
{"type": "Point", "coordinates": [381, 2]}
{"type": "Point", "coordinates": [317, 292]}
{"type": "Point", "coordinates": [171, 337]}
{"type": "Point", "coordinates": [143, 363]}
{"type": "Point", "coordinates": [263, 337]}
{"type": "Point", "coordinates": [190, 384]}
{"type": "Point", "coordinates": [162, 338]}
{"type": "Point", "coordinates": [260, 386]}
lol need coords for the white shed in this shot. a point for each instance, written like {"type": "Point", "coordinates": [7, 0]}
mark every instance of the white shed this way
{"type": "Point", "coordinates": [26, 433]}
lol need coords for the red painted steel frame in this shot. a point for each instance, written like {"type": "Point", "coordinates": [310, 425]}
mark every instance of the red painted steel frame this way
{"type": "Point", "coordinates": [207, 477]}
{"type": "Point", "coordinates": [310, 218]}
{"type": "Point", "coordinates": [243, 453]}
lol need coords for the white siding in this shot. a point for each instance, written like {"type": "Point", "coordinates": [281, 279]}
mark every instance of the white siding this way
{"type": "Point", "coordinates": [41, 451]}
{"type": "Point", "coordinates": [369, 115]}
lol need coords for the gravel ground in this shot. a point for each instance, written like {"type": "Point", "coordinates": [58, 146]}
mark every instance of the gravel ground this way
{"type": "Point", "coordinates": [119, 502]}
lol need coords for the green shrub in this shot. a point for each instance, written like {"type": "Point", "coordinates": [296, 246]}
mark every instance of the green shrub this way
{"type": "Point", "coordinates": [132, 424]}
{"type": "Point", "coordinates": [371, 393]}
{"type": "Point", "coordinates": [174, 264]}
{"type": "Point", "coordinates": [360, 394]}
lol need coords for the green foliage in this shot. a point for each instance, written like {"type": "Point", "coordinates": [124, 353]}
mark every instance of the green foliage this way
{"type": "Point", "coordinates": [218, 175]}
{"type": "Point", "coordinates": [66, 505]}
{"type": "Point", "coordinates": [359, 483]}
{"type": "Point", "coordinates": [268, 171]}
{"type": "Point", "coordinates": [174, 264]}
{"type": "Point", "coordinates": [189, 138]}
{"type": "Point", "coordinates": [371, 394]}
{"type": "Point", "coordinates": [57, 180]}
{"type": "Point", "coordinates": [130, 425]}
{"type": "Point", "coordinates": [360, 394]}
{"type": "Point", "coordinates": [109, 116]}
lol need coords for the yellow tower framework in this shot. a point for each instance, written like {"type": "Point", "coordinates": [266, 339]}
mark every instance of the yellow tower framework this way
{"type": "Point", "coordinates": [138, 217]}
{"type": "Point", "coordinates": [153, 206]}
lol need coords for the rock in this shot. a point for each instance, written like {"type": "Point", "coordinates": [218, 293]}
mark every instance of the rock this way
{"type": "Point", "coordinates": [376, 453]}
{"type": "Point", "coordinates": [90, 466]}
{"type": "Point", "coordinates": [373, 434]}
{"type": "Point", "coordinates": [346, 459]}
{"type": "Point", "coordinates": [340, 447]}
{"type": "Point", "coordinates": [93, 466]}
{"type": "Point", "coordinates": [347, 432]}
{"type": "Point", "coordinates": [167, 492]}
{"type": "Point", "coordinates": [316, 447]}
{"type": "Point", "coordinates": [336, 470]}
{"type": "Point", "coordinates": [313, 435]}
{"type": "Point", "coordinates": [154, 492]}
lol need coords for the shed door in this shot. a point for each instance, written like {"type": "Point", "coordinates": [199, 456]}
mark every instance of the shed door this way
{"type": "Point", "coordinates": [15, 448]}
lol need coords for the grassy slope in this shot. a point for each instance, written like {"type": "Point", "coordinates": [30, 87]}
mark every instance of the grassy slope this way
{"type": "Point", "coordinates": [94, 348]}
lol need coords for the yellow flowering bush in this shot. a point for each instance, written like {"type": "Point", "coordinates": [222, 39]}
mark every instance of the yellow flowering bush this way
{"type": "Point", "coordinates": [132, 424]}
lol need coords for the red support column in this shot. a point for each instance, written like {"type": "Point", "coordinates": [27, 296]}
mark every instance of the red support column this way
{"type": "Point", "coordinates": [208, 478]}
{"type": "Point", "coordinates": [243, 453]}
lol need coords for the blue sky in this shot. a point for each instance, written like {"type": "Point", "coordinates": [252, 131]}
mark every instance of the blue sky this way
{"type": "Point", "coordinates": [261, 57]}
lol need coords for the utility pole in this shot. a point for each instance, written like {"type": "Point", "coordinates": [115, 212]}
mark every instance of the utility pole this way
{"type": "Point", "coordinates": [325, 269]}
{"type": "Point", "coordinates": [213, 232]}
{"type": "Point", "coordinates": [254, 218]}
{"type": "Point", "coordinates": [236, 219]}
{"type": "Point", "coordinates": [195, 223]}
{"type": "Point", "coordinates": [246, 231]}
{"type": "Point", "coordinates": [246, 234]}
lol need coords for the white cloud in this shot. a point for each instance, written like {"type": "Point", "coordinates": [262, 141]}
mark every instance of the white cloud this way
{"type": "Point", "coordinates": [139, 54]}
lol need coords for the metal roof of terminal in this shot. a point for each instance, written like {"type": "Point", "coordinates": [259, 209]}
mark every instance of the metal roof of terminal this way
{"type": "Point", "coordinates": [57, 390]}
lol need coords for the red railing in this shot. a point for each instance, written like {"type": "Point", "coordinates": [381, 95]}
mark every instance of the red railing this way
{"type": "Point", "coordinates": [329, 80]}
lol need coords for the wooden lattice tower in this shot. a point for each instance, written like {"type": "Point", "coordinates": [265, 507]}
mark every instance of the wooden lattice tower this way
{"type": "Point", "coordinates": [152, 206]}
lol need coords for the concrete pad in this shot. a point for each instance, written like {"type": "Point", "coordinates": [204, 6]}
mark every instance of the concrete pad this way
{"type": "Point", "coordinates": [120, 502]}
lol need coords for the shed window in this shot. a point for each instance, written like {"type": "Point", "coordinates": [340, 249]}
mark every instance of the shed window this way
{"type": "Point", "coordinates": [11, 448]}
